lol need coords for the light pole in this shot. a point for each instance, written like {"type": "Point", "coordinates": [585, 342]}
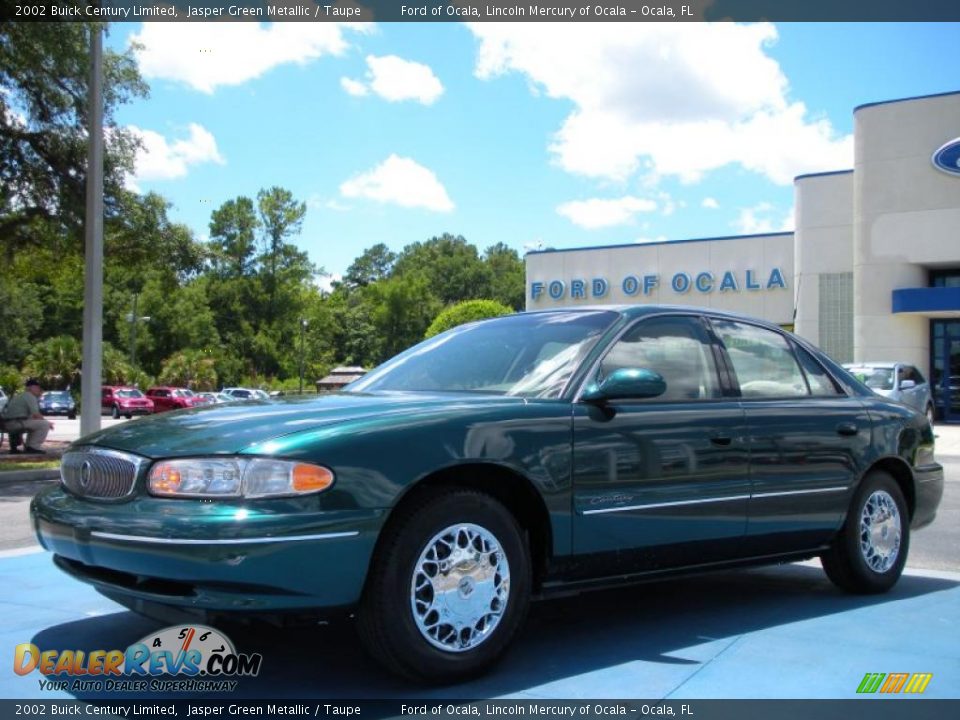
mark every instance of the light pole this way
{"type": "Point", "coordinates": [303, 329]}
{"type": "Point", "coordinates": [133, 319]}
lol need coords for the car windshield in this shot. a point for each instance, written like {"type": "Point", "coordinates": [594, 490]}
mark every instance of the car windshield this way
{"type": "Point", "coordinates": [57, 396]}
{"type": "Point", "coordinates": [526, 355]}
{"type": "Point", "coordinates": [183, 393]}
{"type": "Point", "coordinates": [240, 393]}
{"type": "Point", "coordinates": [129, 394]}
{"type": "Point", "coordinates": [873, 377]}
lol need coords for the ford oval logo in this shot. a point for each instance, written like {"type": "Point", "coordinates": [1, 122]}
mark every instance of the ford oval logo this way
{"type": "Point", "coordinates": [947, 158]}
{"type": "Point", "coordinates": [85, 471]}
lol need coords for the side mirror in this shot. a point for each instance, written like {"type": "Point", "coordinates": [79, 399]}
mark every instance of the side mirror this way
{"type": "Point", "coordinates": [907, 384]}
{"type": "Point", "coordinates": [626, 384]}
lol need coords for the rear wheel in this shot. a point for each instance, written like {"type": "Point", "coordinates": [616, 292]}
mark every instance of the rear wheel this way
{"type": "Point", "coordinates": [870, 551]}
{"type": "Point", "coordinates": [448, 589]}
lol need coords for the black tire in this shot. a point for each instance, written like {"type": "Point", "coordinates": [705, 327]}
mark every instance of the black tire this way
{"type": "Point", "coordinates": [931, 414]}
{"type": "Point", "coordinates": [128, 416]}
{"type": "Point", "coordinates": [387, 621]}
{"type": "Point", "coordinates": [71, 416]}
{"type": "Point", "coordinates": [846, 562]}
{"type": "Point", "coordinates": [116, 413]}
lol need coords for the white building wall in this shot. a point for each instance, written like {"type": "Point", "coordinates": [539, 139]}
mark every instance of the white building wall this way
{"type": "Point", "coordinates": [758, 254]}
{"type": "Point", "coordinates": [906, 219]}
{"type": "Point", "coordinates": [823, 242]}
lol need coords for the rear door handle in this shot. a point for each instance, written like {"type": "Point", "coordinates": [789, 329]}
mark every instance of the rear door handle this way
{"type": "Point", "coordinates": [847, 428]}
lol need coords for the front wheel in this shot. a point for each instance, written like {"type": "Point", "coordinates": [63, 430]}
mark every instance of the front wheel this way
{"type": "Point", "coordinates": [116, 413]}
{"type": "Point", "coordinates": [869, 553]}
{"type": "Point", "coordinates": [448, 588]}
{"type": "Point", "coordinates": [931, 416]}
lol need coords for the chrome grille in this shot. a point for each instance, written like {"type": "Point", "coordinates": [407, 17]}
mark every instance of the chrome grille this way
{"type": "Point", "coordinates": [99, 473]}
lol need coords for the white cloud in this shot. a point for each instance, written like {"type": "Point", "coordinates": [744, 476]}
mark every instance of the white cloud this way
{"type": "Point", "coordinates": [710, 203]}
{"type": "Point", "coordinates": [207, 55]}
{"type": "Point", "coordinates": [395, 79]}
{"type": "Point", "coordinates": [600, 213]}
{"type": "Point", "coordinates": [354, 87]}
{"type": "Point", "coordinates": [162, 159]}
{"type": "Point", "coordinates": [763, 218]}
{"type": "Point", "coordinates": [646, 240]}
{"type": "Point", "coordinates": [399, 181]}
{"type": "Point", "coordinates": [697, 96]}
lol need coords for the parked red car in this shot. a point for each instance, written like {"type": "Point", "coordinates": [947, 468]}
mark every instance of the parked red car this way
{"type": "Point", "coordinates": [172, 398]}
{"type": "Point", "coordinates": [126, 401]}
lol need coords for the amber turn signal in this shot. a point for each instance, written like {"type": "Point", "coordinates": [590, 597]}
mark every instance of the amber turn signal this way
{"type": "Point", "coordinates": [311, 478]}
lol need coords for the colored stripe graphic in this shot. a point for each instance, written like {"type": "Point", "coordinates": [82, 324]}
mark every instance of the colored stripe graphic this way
{"type": "Point", "coordinates": [918, 682]}
{"type": "Point", "coordinates": [894, 683]}
{"type": "Point", "coordinates": [870, 682]}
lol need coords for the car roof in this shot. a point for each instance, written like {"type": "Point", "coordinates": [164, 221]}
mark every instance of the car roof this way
{"type": "Point", "coordinates": [637, 311]}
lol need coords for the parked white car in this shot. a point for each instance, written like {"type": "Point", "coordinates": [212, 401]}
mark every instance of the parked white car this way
{"type": "Point", "coordinates": [239, 393]}
{"type": "Point", "coordinates": [897, 381]}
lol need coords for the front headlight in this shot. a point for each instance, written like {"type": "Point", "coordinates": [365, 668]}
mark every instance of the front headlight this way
{"type": "Point", "coordinates": [236, 477]}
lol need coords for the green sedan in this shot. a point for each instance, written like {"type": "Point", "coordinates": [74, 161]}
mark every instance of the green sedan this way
{"type": "Point", "coordinates": [500, 462]}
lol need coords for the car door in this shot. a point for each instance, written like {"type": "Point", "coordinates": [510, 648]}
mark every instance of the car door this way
{"type": "Point", "coordinates": [805, 435]}
{"type": "Point", "coordinates": [913, 395]}
{"type": "Point", "coordinates": [663, 481]}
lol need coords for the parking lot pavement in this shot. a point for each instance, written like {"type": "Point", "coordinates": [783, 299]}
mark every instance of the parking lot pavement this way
{"type": "Point", "coordinates": [67, 430]}
{"type": "Point", "coordinates": [781, 632]}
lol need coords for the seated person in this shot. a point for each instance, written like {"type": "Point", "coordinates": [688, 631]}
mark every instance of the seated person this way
{"type": "Point", "coordinates": [23, 414]}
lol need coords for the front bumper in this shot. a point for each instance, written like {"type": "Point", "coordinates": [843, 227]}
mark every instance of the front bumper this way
{"type": "Point", "coordinates": [929, 491]}
{"type": "Point", "coordinates": [267, 556]}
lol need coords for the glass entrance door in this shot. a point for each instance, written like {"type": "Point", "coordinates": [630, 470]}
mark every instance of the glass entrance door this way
{"type": "Point", "coordinates": [946, 369]}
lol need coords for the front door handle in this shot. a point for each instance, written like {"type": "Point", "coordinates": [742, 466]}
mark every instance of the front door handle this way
{"type": "Point", "coordinates": [847, 428]}
{"type": "Point", "coordinates": [723, 440]}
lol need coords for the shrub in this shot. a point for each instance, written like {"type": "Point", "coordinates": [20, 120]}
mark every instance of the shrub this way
{"type": "Point", "coordinates": [465, 312]}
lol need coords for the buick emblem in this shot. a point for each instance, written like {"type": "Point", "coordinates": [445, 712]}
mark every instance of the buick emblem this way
{"type": "Point", "coordinates": [85, 471]}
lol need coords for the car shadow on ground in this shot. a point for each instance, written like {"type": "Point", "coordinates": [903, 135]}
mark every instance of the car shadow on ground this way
{"type": "Point", "coordinates": [660, 624]}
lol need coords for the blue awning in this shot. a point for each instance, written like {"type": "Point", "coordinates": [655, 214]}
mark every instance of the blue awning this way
{"type": "Point", "coordinates": [927, 300]}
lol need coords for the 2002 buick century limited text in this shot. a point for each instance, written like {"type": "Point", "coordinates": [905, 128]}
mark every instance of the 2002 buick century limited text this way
{"type": "Point", "coordinates": [500, 461]}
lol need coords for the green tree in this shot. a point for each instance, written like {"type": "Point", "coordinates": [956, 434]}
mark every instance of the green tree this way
{"type": "Point", "coordinates": [507, 275]}
{"type": "Point", "coordinates": [375, 263]}
{"type": "Point", "coordinates": [402, 309]}
{"type": "Point", "coordinates": [21, 314]}
{"type": "Point", "coordinates": [233, 233]}
{"type": "Point", "coordinates": [194, 369]}
{"type": "Point", "coordinates": [44, 71]}
{"type": "Point", "coordinates": [465, 312]}
{"type": "Point", "coordinates": [450, 266]}
{"type": "Point", "coordinates": [56, 362]}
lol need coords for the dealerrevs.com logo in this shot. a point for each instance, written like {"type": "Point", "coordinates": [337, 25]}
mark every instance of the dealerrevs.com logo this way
{"type": "Point", "coordinates": [204, 656]}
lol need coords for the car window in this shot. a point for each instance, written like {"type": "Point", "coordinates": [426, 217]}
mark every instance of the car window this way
{"type": "Point", "coordinates": [762, 360]}
{"type": "Point", "coordinates": [529, 355]}
{"type": "Point", "coordinates": [821, 384]}
{"type": "Point", "coordinates": [677, 348]}
{"type": "Point", "coordinates": [129, 393]}
{"type": "Point", "coordinates": [917, 375]}
{"type": "Point", "coordinates": [875, 378]}
{"type": "Point", "coordinates": [240, 393]}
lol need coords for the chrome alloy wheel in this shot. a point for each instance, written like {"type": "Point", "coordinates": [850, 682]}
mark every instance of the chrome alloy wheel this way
{"type": "Point", "coordinates": [880, 531]}
{"type": "Point", "coordinates": [460, 587]}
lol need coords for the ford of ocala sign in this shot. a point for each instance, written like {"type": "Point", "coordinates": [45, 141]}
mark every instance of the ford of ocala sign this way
{"type": "Point", "coordinates": [680, 283]}
{"type": "Point", "coordinates": [947, 157]}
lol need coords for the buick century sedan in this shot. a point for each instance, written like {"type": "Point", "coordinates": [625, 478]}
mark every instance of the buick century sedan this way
{"type": "Point", "coordinates": [499, 462]}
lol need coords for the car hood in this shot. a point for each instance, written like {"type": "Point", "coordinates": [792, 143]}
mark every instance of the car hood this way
{"type": "Point", "coordinates": [888, 393]}
{"type": "Point", "coordinates": [232, 427]}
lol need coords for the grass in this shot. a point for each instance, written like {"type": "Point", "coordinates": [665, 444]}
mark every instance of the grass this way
{"type": "Point", "coordinates": [16, 464]}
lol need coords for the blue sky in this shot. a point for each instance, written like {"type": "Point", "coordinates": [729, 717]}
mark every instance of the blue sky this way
{"type": "Point", "coordinates": [552, 134]}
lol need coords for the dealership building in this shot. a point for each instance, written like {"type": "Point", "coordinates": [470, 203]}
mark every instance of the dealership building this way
{"type": "Point", "coordinates": [870, 273]}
